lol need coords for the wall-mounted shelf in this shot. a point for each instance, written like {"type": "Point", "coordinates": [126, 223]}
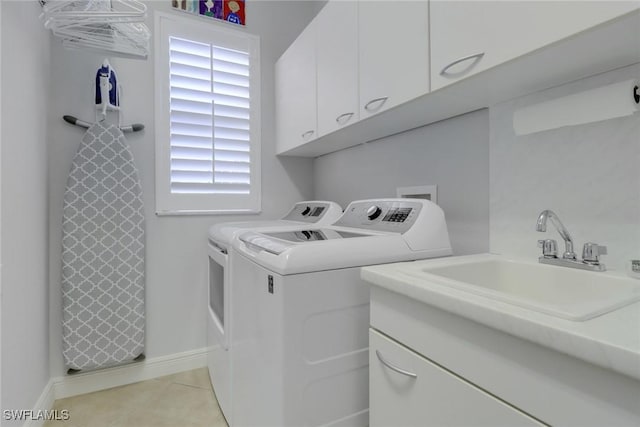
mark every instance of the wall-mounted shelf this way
{"type": "Point", "coordinates": [603, 48]}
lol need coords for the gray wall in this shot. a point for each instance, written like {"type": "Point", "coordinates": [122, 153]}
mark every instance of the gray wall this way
{"type": "Point", "coordinates": [589, 175]}
{"type": "Point", "coordinates": [24, 104]}
{"type": "Point", "coordinates": [176, 265]}
{"type": "Point", "coordinates": [453, 154]}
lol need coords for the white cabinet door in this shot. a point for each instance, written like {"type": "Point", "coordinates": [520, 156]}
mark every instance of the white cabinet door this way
{"type": "Point", "coordinates": [296, 101]}
{"type": "Point", "coordinates": [337, 60]}
{"type": "Point", "coordinates": [470, 36]}
{"type": "Point", "coordinates": [459, 40]}
{"type": "Point", "coordinates": [406, 389]}
{"type": "Point", "coordinates": [393, 38]}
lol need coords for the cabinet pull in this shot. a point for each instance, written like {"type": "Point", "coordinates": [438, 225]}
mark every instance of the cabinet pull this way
{"type": "Point", "coordinates": [307, 134]}
{"type": "Point", "coordinates": [476, 56]}
{"type": "Point", "coordinates": [344, 118]}
{"type": "Point", "coordinates": [394, 367]}
{"type": "Point", "coordinates": [382, 100]}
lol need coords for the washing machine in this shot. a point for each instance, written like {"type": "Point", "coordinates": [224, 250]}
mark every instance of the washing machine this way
{"type": "Point", "coordinates": [302, 214]}
{"type": "Point", "coordinates": [301, 311]}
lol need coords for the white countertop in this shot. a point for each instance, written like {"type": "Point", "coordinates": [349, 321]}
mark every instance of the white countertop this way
{"type": "Point", "coordinates": [611, 340]}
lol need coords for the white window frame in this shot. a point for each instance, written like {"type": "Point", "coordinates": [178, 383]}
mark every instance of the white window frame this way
{"type": "Point", "coordinates": [207, 31]}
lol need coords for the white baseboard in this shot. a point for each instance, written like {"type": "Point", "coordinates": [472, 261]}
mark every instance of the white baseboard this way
{"type": "Point", "coordinates": [44, 403]}
{"type": "Point", "coordinates": [72, 385]}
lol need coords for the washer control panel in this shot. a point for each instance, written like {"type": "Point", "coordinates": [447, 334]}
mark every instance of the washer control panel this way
{"type": "Point", "coordinates": [397, 215]}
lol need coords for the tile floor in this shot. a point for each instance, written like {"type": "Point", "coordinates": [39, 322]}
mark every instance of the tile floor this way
{"type": "Point", "coordinates": [185, 399]}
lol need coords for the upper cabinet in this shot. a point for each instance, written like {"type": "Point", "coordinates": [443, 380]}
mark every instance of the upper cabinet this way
{"type": "Point", "coordinates": [432, 60]}
{"type": "Point", "coordinates": [393, 52]}
{"type": "Point", "coordinates": [296, 101]}
{"type": "Point", "coordinates": [337, 65]}
{"type": "Point", "coordinates": [472, 36]}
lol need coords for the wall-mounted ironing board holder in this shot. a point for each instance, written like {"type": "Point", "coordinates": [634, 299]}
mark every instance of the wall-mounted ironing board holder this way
{"type": "Point", "coordinates": [107, 99]}
{"type": "Point", "coordinates": [134, 127]}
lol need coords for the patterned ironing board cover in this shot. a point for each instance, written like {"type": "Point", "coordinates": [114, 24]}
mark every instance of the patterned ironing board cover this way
{"type": "Point", "coordinates": [102, 254]}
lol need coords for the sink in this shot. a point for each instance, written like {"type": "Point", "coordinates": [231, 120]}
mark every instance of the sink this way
{"type": "Point", "coordinates": [558, 291]}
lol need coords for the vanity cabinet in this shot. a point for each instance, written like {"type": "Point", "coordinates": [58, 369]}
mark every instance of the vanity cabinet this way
{"type": "Point", "coordinates": [337, 65]}
{"type": "Point", "coordinates": [406, 389]}
{"type": "Point", "coordinates": [476, 368]}
{"type": "Point", "coordinates": [468, 37]}
{"type": "Point", "coordinates": [393, 52]}
{"type": "Point", "coordinates": [296, 100]}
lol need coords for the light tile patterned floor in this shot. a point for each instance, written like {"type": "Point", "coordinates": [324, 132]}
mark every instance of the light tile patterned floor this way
{"type": "Point", "coordinates": [185, 399]}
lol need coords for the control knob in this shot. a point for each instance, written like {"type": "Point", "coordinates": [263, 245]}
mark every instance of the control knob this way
{"type": "Point", "coordinates": [373, 212]}
{"type": "Point", "coordinates": [306, 211]}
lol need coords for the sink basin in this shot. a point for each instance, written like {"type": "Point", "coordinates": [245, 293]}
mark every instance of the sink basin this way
{"type": "Point", "coordinates": [559, 291]}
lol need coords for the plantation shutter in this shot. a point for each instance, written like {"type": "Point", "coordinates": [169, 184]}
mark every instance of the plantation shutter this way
{"type": "Point", "coordinates": [209, 119]}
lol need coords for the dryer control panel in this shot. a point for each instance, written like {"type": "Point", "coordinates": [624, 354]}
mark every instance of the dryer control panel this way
{"type": "Point", "coordinates": [396, 215]}
{"type": "Point", "coordinates": [311, 212]}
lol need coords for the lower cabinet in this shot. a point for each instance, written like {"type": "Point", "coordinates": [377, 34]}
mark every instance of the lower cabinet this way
{"type": "Point", "coordinates": [406, 389]}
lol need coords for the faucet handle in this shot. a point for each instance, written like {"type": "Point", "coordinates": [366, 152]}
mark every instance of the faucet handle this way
{"type": "Point", "coordinates": [549, 248]}
{"type": "Point", "coordinates": [591, 253]}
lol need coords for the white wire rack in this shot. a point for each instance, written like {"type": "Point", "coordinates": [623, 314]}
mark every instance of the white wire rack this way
{"type": "Point", "coordinates": [113, 27]}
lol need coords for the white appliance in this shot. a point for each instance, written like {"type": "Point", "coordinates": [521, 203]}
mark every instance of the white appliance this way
{"type": "Point", "coordinates": [301, 311]}
{"type": "Point", "coordinates": [302, 214]}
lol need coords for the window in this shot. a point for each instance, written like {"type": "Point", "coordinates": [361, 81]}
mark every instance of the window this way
{"type": "Point", "coordinates": [207, 117]}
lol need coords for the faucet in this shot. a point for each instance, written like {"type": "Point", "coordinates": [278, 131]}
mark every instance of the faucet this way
{"type": "Point", "coordinates": [541, 226]}
{"type": "Point", "coordinates": [590, 252]}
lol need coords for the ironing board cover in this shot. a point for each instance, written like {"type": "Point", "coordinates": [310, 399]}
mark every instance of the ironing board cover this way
{"type": "Point", "coordinates": [102, 254]}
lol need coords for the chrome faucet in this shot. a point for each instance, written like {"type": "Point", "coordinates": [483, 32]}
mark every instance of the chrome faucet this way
{"type": "Point", "coordinates": [541, 226]}
{"type": "Point", "coordinates": [590, 253]}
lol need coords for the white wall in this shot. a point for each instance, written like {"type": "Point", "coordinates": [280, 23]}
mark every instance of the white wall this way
{"type": "Point", "coordinates": [589, 175]}
{"type": "Point", "coordinates": [453, 154]}
{"type": "Point", "coordinates": [25, 85]}
{"type": "Point", "coordinates": [176, 266]}
{"type": "Point", "coordinates": [0, 207]}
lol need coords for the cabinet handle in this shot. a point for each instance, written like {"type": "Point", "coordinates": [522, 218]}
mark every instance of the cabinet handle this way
{"type": "Point", "coordinates": [382, 100]}
{"type": "Point", "coordinates": [476, 56]}
{"type": "Point", "coordinates": [307, 134]}
{"type": "Point", "coordinates": [394, 367]}
{"type": "Point", "coordinates": [344, 118]}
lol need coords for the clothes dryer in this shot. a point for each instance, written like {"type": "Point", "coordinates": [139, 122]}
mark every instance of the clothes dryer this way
{"type": "Point", "coordinates": [302, 214]}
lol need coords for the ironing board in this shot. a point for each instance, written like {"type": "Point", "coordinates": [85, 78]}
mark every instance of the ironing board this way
{"type": "Point", "coordinates": [102, 254]}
